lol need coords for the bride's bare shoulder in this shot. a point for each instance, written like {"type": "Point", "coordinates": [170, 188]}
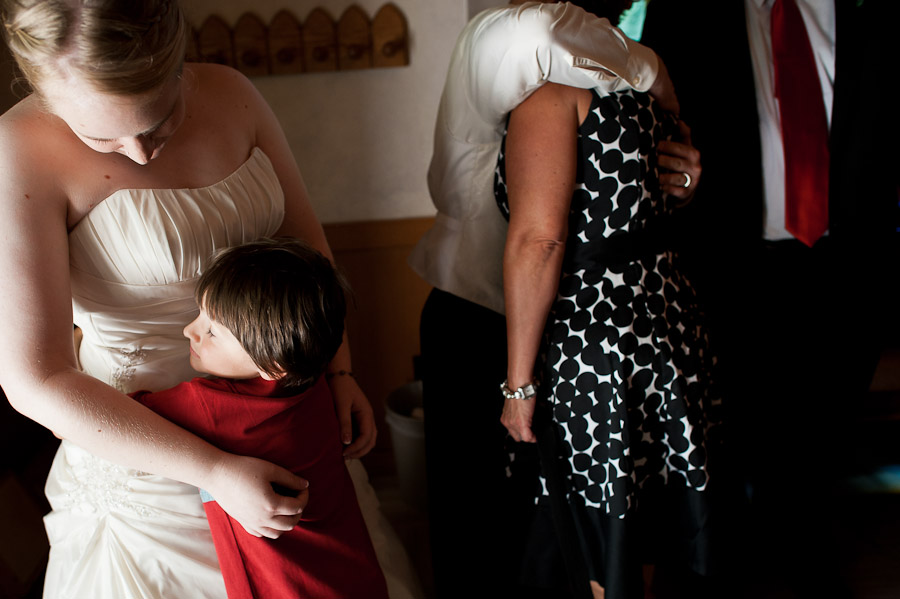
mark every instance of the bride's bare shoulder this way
{"type": "Point", "coordinates": [224, 94]}
{"type": "Point", "coordinates": [29, 135]}
{"type": "Point", "coordinates": [37, 153]}
{"type": "Point", "coordinates": [23, 120]}
{"type": "Point", "coordinates": [217, 83]}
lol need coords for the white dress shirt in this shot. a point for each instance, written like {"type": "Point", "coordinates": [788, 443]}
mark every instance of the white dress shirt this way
{"type": "Point", "coordinates": [501, 57]}
{"type": "Point", "coordinates": [818, 17]}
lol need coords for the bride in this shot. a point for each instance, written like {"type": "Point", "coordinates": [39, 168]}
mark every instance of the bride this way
{"type": "Point", "coordinates": [120, 175]}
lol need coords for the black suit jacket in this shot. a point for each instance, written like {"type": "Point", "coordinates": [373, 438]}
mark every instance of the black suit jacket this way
{"type": "Point", "coordinates": [704, 45]}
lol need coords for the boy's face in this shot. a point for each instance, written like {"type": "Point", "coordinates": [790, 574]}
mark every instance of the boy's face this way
{"type": "Point", "coordinates": [214, 350]}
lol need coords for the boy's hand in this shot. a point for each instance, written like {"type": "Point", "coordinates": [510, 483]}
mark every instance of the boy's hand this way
{"type": "Point", "coordinates": [353, 408]}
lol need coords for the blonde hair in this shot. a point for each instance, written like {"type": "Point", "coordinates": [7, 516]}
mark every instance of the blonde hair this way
{"type": "Point", "coordinates": [120, 47]}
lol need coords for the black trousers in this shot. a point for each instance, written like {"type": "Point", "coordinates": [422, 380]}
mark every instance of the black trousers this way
{"type": "Point", "coordinates": [805, 329]}
{"type": "Point", "coordinates": [478, 516]}
{"type": "Point", "coordinates": [799, 331]}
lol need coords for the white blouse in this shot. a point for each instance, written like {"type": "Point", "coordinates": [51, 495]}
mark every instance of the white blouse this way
{"type": "Point", "coordinates": [501, 57]}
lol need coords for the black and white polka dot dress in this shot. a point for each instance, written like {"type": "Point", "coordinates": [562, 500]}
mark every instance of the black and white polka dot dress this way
{"type": "Point", "coordinates": [627, 364]}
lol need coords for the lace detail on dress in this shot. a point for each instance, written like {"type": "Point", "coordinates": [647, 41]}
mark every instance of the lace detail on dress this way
{"type": "Point", "coordinates": [99, 487]}
{"type": "Point", "coordinates": [124, 374]}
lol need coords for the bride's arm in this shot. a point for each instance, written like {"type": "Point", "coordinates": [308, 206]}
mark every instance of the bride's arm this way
{"type": "Point", "coordinates": [300, 221]}
{"type": "Point", "coordinates": [37, 360]}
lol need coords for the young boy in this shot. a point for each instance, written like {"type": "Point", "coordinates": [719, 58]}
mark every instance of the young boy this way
{"type": "Point", "coordinates": [271, 319]}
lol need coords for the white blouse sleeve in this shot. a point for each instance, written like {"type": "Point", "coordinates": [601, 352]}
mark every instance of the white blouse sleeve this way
{"type": "Point", "coordinates": [504, 54]}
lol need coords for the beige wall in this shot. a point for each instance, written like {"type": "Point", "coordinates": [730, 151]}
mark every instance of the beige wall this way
{"type": "Point", "coordinates": [362, 138]}
{"type": "Point", "coordinates": [383, 320]}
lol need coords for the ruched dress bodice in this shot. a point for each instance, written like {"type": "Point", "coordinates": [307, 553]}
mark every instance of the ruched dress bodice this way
{"type": "Point", "coordinates": [117, 533]}
{"type": "Point", "coordinates": [135, 259]}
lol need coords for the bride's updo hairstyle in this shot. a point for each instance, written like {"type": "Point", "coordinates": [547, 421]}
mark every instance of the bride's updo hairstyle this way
{"type": "Point", "coordinates": [119, 47]}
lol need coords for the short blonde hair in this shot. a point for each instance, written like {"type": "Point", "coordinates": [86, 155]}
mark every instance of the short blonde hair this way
{"type": "Point", "coordinates": [120, 47]}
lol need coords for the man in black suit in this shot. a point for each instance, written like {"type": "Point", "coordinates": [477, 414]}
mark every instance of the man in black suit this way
{"type": "Point", "coordinates": [799, 329]}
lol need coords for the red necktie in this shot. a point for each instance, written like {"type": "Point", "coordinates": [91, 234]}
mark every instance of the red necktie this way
{"type": "Point", "coordinates": [804, 125]}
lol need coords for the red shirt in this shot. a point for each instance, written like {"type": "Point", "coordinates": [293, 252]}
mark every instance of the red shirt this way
{"type": "Point", "coordinates": [329, 554]}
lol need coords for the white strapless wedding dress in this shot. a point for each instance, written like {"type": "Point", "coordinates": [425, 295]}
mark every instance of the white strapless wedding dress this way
{"type": "Point", "coordinates": [118, 533]}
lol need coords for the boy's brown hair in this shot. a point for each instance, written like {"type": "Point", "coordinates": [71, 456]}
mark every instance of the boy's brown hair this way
{"type": "Point", "coordinates": [283, 301]}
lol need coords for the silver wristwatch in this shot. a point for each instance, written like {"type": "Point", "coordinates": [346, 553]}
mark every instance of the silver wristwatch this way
{"type": "Point", "coordinates": [524, 392]}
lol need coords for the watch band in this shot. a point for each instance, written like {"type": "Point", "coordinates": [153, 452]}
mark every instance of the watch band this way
{"type": "Point", "coordinates": [524, 392]}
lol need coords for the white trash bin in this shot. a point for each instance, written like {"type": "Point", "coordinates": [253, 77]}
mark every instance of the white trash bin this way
{"type": "Point", "coordinates": [405, 418]}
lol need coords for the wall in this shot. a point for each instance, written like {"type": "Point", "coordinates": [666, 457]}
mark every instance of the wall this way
{"type": "Point", "coordinates": [476, 6]}
{"type": "Point", "coordinates": [362, 138]}
{"type": "Point", "coordinates": [383, 320]}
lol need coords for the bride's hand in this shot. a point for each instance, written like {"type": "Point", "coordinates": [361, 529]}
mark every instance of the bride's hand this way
{"type": "Point", "coordinates": [353, 408]}
{"type": "Point", "coordinates": [242, 486]}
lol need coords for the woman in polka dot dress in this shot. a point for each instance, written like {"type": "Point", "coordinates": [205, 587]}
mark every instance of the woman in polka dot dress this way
{"type": "Point", "coordinates": [602, 323]}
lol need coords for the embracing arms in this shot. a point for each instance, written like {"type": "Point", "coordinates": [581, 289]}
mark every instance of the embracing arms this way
{"type": "Point", "coordinates": [540, 176]}
{"type": "Point", "coordinates": [47, 177]}
{"type": "Point", "coordinates": [37, 361]}
{"type": "Point", "coordinates": [503, 55]}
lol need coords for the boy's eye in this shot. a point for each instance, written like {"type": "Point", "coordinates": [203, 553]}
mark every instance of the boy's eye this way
{"type": "Point", "coordinates": [209, 332]}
